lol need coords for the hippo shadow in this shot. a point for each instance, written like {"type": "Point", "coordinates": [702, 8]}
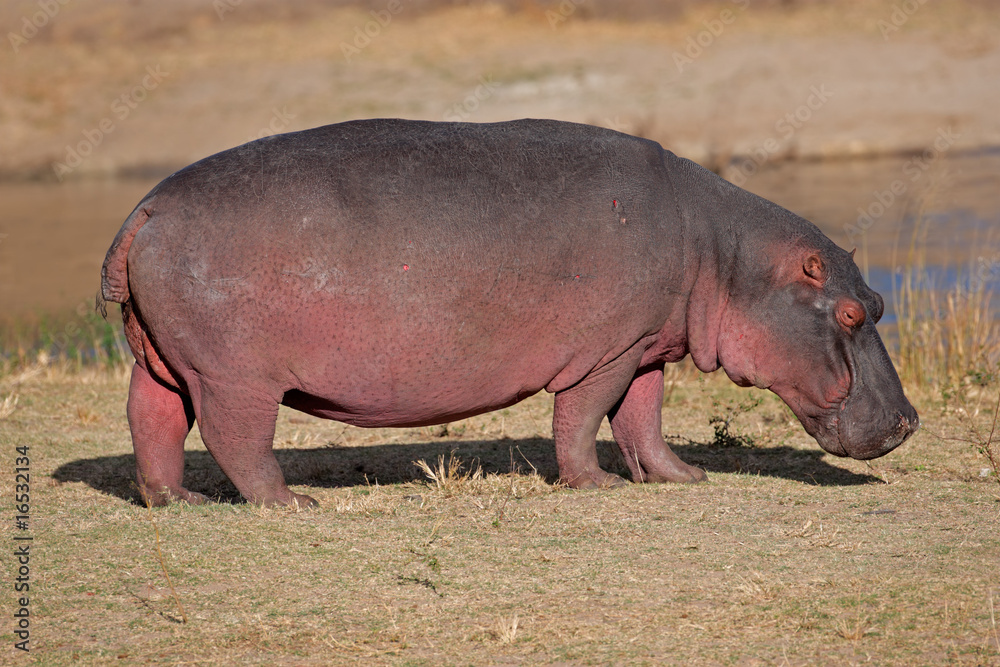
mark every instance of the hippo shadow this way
{"type": "Point", "coordinates": [338, 467]}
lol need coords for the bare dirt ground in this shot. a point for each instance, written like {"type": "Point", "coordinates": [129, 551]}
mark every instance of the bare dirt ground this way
{"type": "Point", "coordinates": [710, 81]}
{"type": "Point", "coordinates": [787, 556]}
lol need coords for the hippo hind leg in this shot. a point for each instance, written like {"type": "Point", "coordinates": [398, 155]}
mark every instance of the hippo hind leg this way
{"type": "Point", "coordinates": [160, 419]}
{"type": "Point", "coordinates": [636, 425]}
{"type": "Point", "coordinates": [237, 425]}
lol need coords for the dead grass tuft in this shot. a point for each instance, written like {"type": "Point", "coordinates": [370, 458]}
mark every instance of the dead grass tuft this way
{"type": "Point", "coordinates": [855, 629]}
{"type": "Point", "coordinates": [505, 629]}
{"type": "Point", "coordinates": [87, 416]}
{"type": "Point", "coordinates": [368, 500]}
{"type": "Point", "coordinates": [8, 405]}
{"type": "Point", "coordinates": [450, 478]}
{"type": "Point", "coordinates": [756, 588]}
{"type": "Point", "coordinates": [492, 493]}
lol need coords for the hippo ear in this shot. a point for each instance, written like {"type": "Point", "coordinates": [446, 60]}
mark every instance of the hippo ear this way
{"type": "Point", "coordinates": [815, 270]}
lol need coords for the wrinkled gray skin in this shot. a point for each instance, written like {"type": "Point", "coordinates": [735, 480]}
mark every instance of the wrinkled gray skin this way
{"type": "Point", "coordinates": [398, 273]}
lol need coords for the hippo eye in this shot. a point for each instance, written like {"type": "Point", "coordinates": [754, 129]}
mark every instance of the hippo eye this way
{"type": "Point", "coordinates": [850, 313]}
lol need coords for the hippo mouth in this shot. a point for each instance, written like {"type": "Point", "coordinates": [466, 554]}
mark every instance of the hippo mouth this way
{"type": "Point", "coordinates": [866, 423]}
{"type": "Point", "coordinates": [868, 431]}
{"type": "Point", "coordinates": [903, 428]}
{"type": "Point", "coordinates": [869, 423]}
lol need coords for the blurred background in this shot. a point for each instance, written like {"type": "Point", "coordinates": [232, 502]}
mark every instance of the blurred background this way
{"type": "Point", "coordinates": [876, 120]}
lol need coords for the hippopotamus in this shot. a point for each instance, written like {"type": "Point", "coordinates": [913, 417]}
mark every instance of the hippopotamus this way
{"type": "Point", "coordinates": [405, 273]}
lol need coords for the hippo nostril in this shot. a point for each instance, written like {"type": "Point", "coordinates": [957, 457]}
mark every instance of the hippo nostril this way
{"type": "Point", "coordinates": [908, 424]}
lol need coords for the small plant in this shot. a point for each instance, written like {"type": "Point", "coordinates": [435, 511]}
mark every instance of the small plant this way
{"type": "Point", "coordinates": [159, 554]}
{"type": "Point", "coordinates": [726, 434]}
{"type": "Point", "coordinates": [988, 447]}
{"type": "Point", "coordinates": [968, 400]}
{"type": "Point", "coordinates": [430, 560]}
{"type": "Point", "coordinates": [756, 589]}
{"type": "Point", "coordinates": [856, 630]}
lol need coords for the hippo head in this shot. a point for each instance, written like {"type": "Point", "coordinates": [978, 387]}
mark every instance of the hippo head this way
{"type": "Point", "coordinates": [805, 329]}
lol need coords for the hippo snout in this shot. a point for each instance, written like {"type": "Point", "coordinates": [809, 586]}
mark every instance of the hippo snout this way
{"type": "Point", "coordinates": [866, 439]}
{"type": "Point", "coordinates": [907, 423]}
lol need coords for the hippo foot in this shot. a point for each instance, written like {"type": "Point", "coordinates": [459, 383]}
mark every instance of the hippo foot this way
{"type": "Point", "coordinates": [285, 498]}
{"type": "Point", "coordinates": [296, 501]}
{"type": "Point", "coordinates": [682, 473]}
{"type": "Point", "coordinates": [598, 479]}
{"type": "Point", "coordinates": [166, 495]}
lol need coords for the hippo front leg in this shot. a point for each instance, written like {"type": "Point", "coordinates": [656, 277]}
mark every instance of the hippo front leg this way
{"type": "Point", "coordinates": [636, 425]}
{"type": "Point", "coordinates": [577, 416]}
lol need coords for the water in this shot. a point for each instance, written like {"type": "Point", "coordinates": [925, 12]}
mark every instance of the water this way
{"type": "Point", "coordinates": [53, 237]}
{"type": "Point", "coordinates": [957, 199]}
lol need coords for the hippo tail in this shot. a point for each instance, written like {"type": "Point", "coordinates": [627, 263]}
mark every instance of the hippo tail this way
{"type": "Point", "coordinates": [114, 273]}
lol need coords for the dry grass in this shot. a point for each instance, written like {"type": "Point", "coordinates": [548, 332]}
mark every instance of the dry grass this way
{"type": "Point", "coordinates": [978, 419]}
{"type": "Point", "coordinates": [801, 557]}
{"type": "Point", "coordinates": [505, 630]}
{"type": "Point", "coordinates": [163, 566]}
{"type": "Point", "coordinates": [946, 333]}
{"type": "Point", "coordinates": [857, 627]}
{"type": "Point", "coordinates": [8, 405]}
{"type": "Point", "coordinates": [449, 478]}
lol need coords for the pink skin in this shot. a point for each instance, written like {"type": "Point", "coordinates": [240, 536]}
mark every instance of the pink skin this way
{"type": "Point", "coordinates": [160, 420]}
{"type": "Point", "coordinates": [636, 424]}
{"type": "Point", "coordinates": [819, 386]}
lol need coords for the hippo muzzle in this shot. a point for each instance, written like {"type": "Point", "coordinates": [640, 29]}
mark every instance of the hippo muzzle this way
{"type": "Point", "coordinates": [876, 416]}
